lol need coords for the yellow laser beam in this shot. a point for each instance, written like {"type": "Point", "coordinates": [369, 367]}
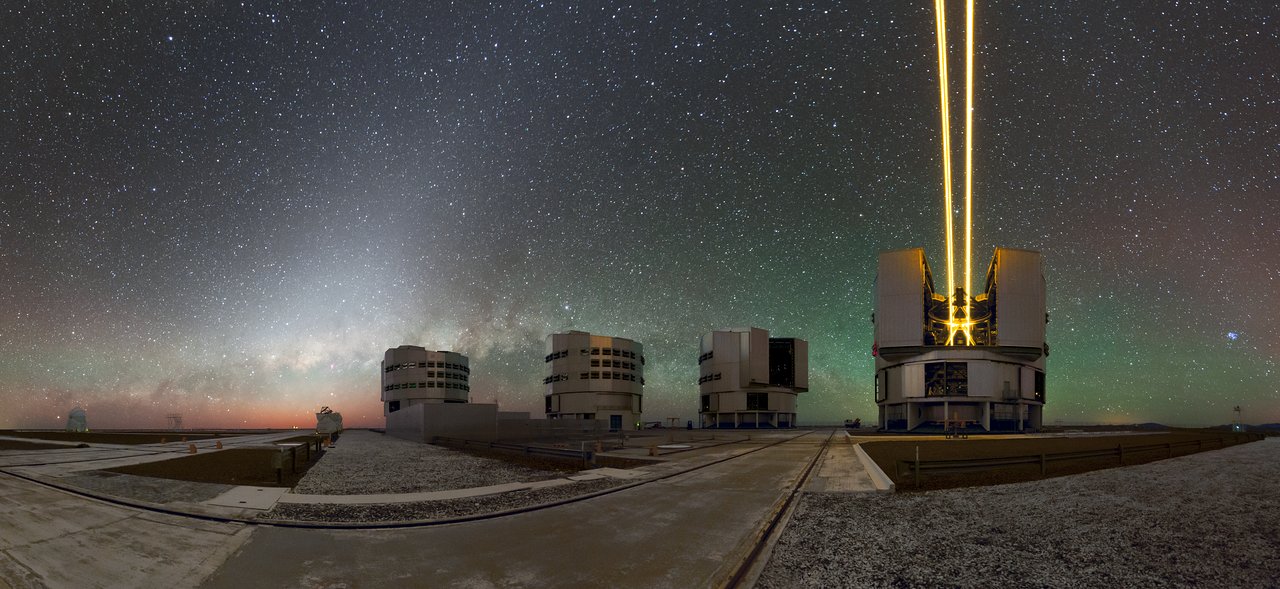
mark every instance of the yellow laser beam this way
{"type": "Point", "coordinates": [968, 159]}
{"type": "Point", "coordinates": [940, 9]}
{"type": "Point", "coordinates": [964, 326]}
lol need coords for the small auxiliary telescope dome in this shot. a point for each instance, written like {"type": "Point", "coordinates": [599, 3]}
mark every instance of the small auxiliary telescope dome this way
{"type": "Point", "coordinates": [76, 421]}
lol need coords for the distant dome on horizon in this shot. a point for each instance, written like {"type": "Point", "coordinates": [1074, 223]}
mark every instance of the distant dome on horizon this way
{"type": "Point", "coordinates": [76, 421]}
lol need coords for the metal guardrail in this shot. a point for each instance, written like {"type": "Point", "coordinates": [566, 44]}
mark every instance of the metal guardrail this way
{"type": "Point", "coordinates": [916, 467]}
{"type": "Point", "coordinates": [586, 456]}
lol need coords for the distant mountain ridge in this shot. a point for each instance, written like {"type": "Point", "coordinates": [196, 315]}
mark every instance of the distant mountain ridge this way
{"type": "Point", "coordinates": [1264, 427]}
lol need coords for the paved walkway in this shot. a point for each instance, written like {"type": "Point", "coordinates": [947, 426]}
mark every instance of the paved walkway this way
{"type": "Point", "coordinates": [53, 539]}
{"type": "Point", "coordinates": [841, 469]}
{"type": "Point", "coordinates": [685, 531]}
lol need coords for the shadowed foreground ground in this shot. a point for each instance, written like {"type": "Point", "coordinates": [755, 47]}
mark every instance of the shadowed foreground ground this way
{"type": "Point", "coordinates": [1206, 520]}
{"type": "Point", "coordinates": [891, 454]}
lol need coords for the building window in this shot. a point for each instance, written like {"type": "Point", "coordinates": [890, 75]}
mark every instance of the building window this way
{"type": "Point", "coordinates": [1039, 386]}
{"type": "Point", "coordinates": [949, 379]}
{"type": "Point", "coordinates": [706, 403]}
{"type": "Point", "coordinates": [393, 406]}
{"type": "Point", "coordinates": [757, 401]}
{"type": "Point", "coordinates": [548, 398]}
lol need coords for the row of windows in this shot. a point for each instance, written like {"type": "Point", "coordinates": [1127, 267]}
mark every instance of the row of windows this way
{"type": "Point", "coordinates": [709, 378]}
{"type": "Point", "coordinates": [614, 364]}
{"type": "Point", "coordinates": [706, 356]}
{"type": "Point", "coordinates": [594, 376]}
{"type": "Point", "coordinates": [426, 385]}
{"type": "Point", "coordinates": [609, 376]}
{"type": "Point", "coordinates": [614, 352]}
{"type": "Point", "coordinates": [448, 375]}
{"type": "Point", "coordinates": [597, 352]}
{"type": "Point", "coordinates": [408, 365]}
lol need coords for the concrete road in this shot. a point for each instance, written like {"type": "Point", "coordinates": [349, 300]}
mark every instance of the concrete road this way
{"type": "Point", "coordinates": [49, 538]}
{"type": "Point", "coordinates": [687, 531]}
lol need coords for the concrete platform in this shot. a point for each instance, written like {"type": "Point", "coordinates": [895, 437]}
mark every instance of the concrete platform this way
{"type": "Point", "coordinates": [247, 497]}
{"type": "Point", "coordinates": [55, 539]}
{"type": "Point", "coordinates": [686, 530]}
{"type": "Point", "coordinates": [689, 530]}
{"type": "Point", "coordinates": [391, 498]}
{"type": "Point", "coordinates": [846, 469]}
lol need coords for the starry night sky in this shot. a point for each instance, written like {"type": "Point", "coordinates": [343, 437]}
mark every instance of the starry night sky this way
{"type": "Point", "coordinates": [230, 211]}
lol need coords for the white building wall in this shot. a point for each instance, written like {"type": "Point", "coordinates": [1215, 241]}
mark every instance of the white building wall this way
{"type": "Point", "coordinates": [735, 362]}
{"type": "Point", "coordinates": [1016, 355]}
{"type": "Point", "coordinates": [1020, 298]}
{"type": "Point", "coordinates": [910, 380]}
{"type": "Point", "coordinates": [1028, 383]}
{"type": "Point", "coordinates": [802, 365]}
{"type": "Point", "coordinates": [900, 276]}
{"type": "Point", "coordinates": [412, 375]}
{"type": "Point", "coordinates": [594, 377]}
{"type": "Point", "coordinates": [422, 422]}
{"type": "Point", "coordinates": [982, 379]}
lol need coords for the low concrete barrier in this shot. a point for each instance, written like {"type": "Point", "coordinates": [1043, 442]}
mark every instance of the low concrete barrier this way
{"type": "Point", "coordinates": [878, 478]}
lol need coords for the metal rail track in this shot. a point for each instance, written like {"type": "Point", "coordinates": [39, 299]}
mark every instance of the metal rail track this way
{"type": "Point", "coordinates": [743, 572]}
{"type": "Point", "coordinates": [143, 506]}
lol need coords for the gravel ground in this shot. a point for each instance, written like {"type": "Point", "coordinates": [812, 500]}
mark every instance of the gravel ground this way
{"type": "Point", "coordinates": [142, 488]}
{"type": "Point", "coordinates": [1206, 520]}
{"type": "Point", "coordinates": [433, 510]}
{"type": "Point", "coordinates": [364, 462]}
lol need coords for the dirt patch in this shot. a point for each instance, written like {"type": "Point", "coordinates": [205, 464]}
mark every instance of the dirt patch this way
{"type": "Point", "coordinates": [895, 457]}
{"type": "Point", "coordinates": [236, 466]}
{"type": "Point", "coordinates": [620, 462]}
{"type": "Point", "coordinates": [549, 463]}
{"type": "Point", "coordinates": [149, 489]}
{"type": "Point", "coordinates": [434, 510]}
{"type": "Point", "coordinates": [16, 445]}
{"type": "Point", "coordinates": [553, 463]}
{"type": "Point", "coordinates": [127, 438]}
